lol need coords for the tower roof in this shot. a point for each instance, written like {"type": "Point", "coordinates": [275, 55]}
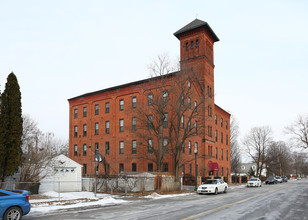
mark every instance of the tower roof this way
{"type": "Point", "coordinates": [194, 25]}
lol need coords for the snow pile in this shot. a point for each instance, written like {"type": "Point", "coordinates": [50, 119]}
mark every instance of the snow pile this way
{"type": "Point", "coordinates": [158, 196]}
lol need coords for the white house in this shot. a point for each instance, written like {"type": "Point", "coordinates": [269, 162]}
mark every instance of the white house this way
{"type": "Point", "coordinates": [63, 175]}
{"type": "Point", "coordinates": [245, 168]}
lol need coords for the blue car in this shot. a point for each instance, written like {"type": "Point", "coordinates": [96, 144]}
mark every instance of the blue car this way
{"type": "Point", "coordinates": [14, 204]}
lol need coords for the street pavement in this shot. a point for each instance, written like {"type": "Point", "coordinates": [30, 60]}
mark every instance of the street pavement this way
{"type": "Point", "coordinates": [280, 201]}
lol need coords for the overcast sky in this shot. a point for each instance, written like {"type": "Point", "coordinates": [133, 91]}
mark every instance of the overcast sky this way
{"type": "Point", "coordinates": [60, 49]}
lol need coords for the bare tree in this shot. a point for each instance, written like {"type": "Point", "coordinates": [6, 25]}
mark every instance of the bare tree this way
{"type": "Point", "coordinates": [299, 132]}
{"type": "Point", "coordinates": [234, 145]}
{"type": "Point", "coordinates": [278, 159]}
{"type": "Point", "coordinates": [257, 142]}
{"type": "Point", "coordinates": [38, 150]}
{"type": "Point", "coordinates": [300, 164]}
{"type": "Point", "coordinates": [169, 117]}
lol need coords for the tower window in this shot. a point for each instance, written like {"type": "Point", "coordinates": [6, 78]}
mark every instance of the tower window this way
{"type": "Point", "coordinates": [192, 45]}
{"type": "Point", "coordinates": [186, 46]}
{"type": "Point", "coordinates": [197, 43]}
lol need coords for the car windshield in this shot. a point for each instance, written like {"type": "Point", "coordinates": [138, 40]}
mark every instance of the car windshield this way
{"type": "Point", "coordinates": [271, 178]}
{"type": "Point", "coordinates": [253, 179]}
{"type": "Point", "coordinates": [210, 182]}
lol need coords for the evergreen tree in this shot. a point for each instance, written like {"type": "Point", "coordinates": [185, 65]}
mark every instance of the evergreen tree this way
{"type": "Point", "coordinates": [10, 128]}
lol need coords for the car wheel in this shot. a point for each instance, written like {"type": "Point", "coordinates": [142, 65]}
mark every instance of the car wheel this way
{"type": "Point", "coordinates": [225, 191]}
{"type": "Point", "coordinates": [260, 185]}
{"type": "Point", "coordinates": [13, 213]}
{"type": "Point", "coordinates": [216, 191]}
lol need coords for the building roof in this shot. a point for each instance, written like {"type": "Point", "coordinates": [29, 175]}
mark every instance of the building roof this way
{"type": "Point", "coordinates": [194, 25]}
{"type": "Point", "coordinates": [125, 85]}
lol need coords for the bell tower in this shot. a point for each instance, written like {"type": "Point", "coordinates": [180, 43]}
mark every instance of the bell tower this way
{"type": "Point", "coordinates": [197, 52]}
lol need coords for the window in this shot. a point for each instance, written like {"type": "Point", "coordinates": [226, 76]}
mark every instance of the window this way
{"type": "Point", "coordinates": [196, 147]}
{"type": "Point", "coordinates": [216, 153]}
{"type": "Point", "coordinates": [165, 120]}
{"type": "Point", "coordinates": [150, 167]}
{"type": "Point", "coordinates": [75, 113]}
{"type": "Point", "coordinates": [216, 138]}
{"type": "Point", "coordinates": [182, 99]}
{"type": "Point", "coordinates": [96, 109]}
{"type": "Point", "coordinates": [183, 169]}
{"type": "Point", "coordinates": [197, 43]}
{"type": "Point", "coordinates": [196, 106]}
{"type": "Point", "coordinates": [134, 102]}
{"type": "Point", "coordinates": [134, 167]}
{"type": "Point", "coordinates": [188, 84]}
{"type": "Point", "coordinates": [222, 154]}
{"type": "Point", "coordinates": [186, 46]}
{"type": "Point", "coordinates": [107, 127]}
{"type": "Point", "coordinates": [165, 96]}
{"type": "Point", "coordinates": [183, 148]}
{"type": "Point", "coordinates": [165, 167]}
{"type": "Point", "coordinates": [134, 123]}
{"type": "Point", "coordinates": [121, 147]}
{"type": "Point", "coordinates": [75, 131]}
{"type": "Point", "coordinates": [84, 150]}
{"type": "Point", "coordinates": [121, 122]}
{"type": "Point", "coordinates": [150, 121]}
{"type": "Point", "coordinates": [189, 102]}
{"type": "Point", "coordinates": [75, 150]}
{"type": "Point", "coordinates": [221, 122]}
{"type": "Point", "coordinates": [107, 148]}
{"type": "Point", "coordinates": [96, 148]}
{"type": "Point", "coordinates": [121, 104]}
{"type": "Point", "coordinates": [189, 125]}
{"type": "Point", "coordinates": [222, 171]}
{"type": "Point", "coordinates": [191, 45]}
{"type": "Point", "coordinates": [96, 128]}
{"type": "Point", "coordinates": [227, 139]}
{"type": "Point", "coordinates": [222, 138]}
{"type": "Point", "coordinates": [189, 147]}
{"type": "Point", "coordinates": [134, 147]}
{"type": "Point", "coordinates": [182, 121]}
{"type": "Point", "coordinates": [107, 107]}
{"type": "Point", "coordinates": [196, 126]}
{"type": "Point", "coordinates": [121, 168]}
{"type": "Point", "coordinates": [227, 156]}
{"type": "Point", "coordinates": [150, 99]}
{"type": "Point", "coordinates": [84, 130]}
{"type": "Point", "coordinates": [165, 144]}
{"type": "Point", "coordinates": [210, 92]}
{"type": "Point", "coordinates": [150, 146]}
{"type": "Point", "coordinates": [226, 124]}
{"type": "Point", "coordinates": [216, 119]}
{"type": "Point", "coordinates": [209, 110]}
{"type": "Point", "coordinates": [84, 112]}
{"type": "Point", "coordinates": [85, 169]}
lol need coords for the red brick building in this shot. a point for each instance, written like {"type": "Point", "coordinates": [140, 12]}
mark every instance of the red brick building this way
{"type": "Point", "coordinates": [105, 121]}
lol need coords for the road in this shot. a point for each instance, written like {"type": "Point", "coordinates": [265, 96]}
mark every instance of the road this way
{"type": "Point", "coordinates": [280, 201]}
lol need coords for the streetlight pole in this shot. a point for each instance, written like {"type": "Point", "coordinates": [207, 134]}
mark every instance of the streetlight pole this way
{"type": "Point", "coordinates": [196, 167]}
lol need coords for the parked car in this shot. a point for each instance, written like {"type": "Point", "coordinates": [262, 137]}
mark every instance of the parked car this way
{"type": "Point", "coordinates": [299, 178]}
{"type": "Point", "coordinates": [284, 179]}
{"type": "Point", "coordinates": [271, 180]}
{"type": "Point", "coordinates": [14, 204]}
{"type": "Point", "coordinates": [213, 186]}
{"type": "Point", "coordinates": [279, 179]}
{"type": "Point", "coordinates": [254, 182]}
